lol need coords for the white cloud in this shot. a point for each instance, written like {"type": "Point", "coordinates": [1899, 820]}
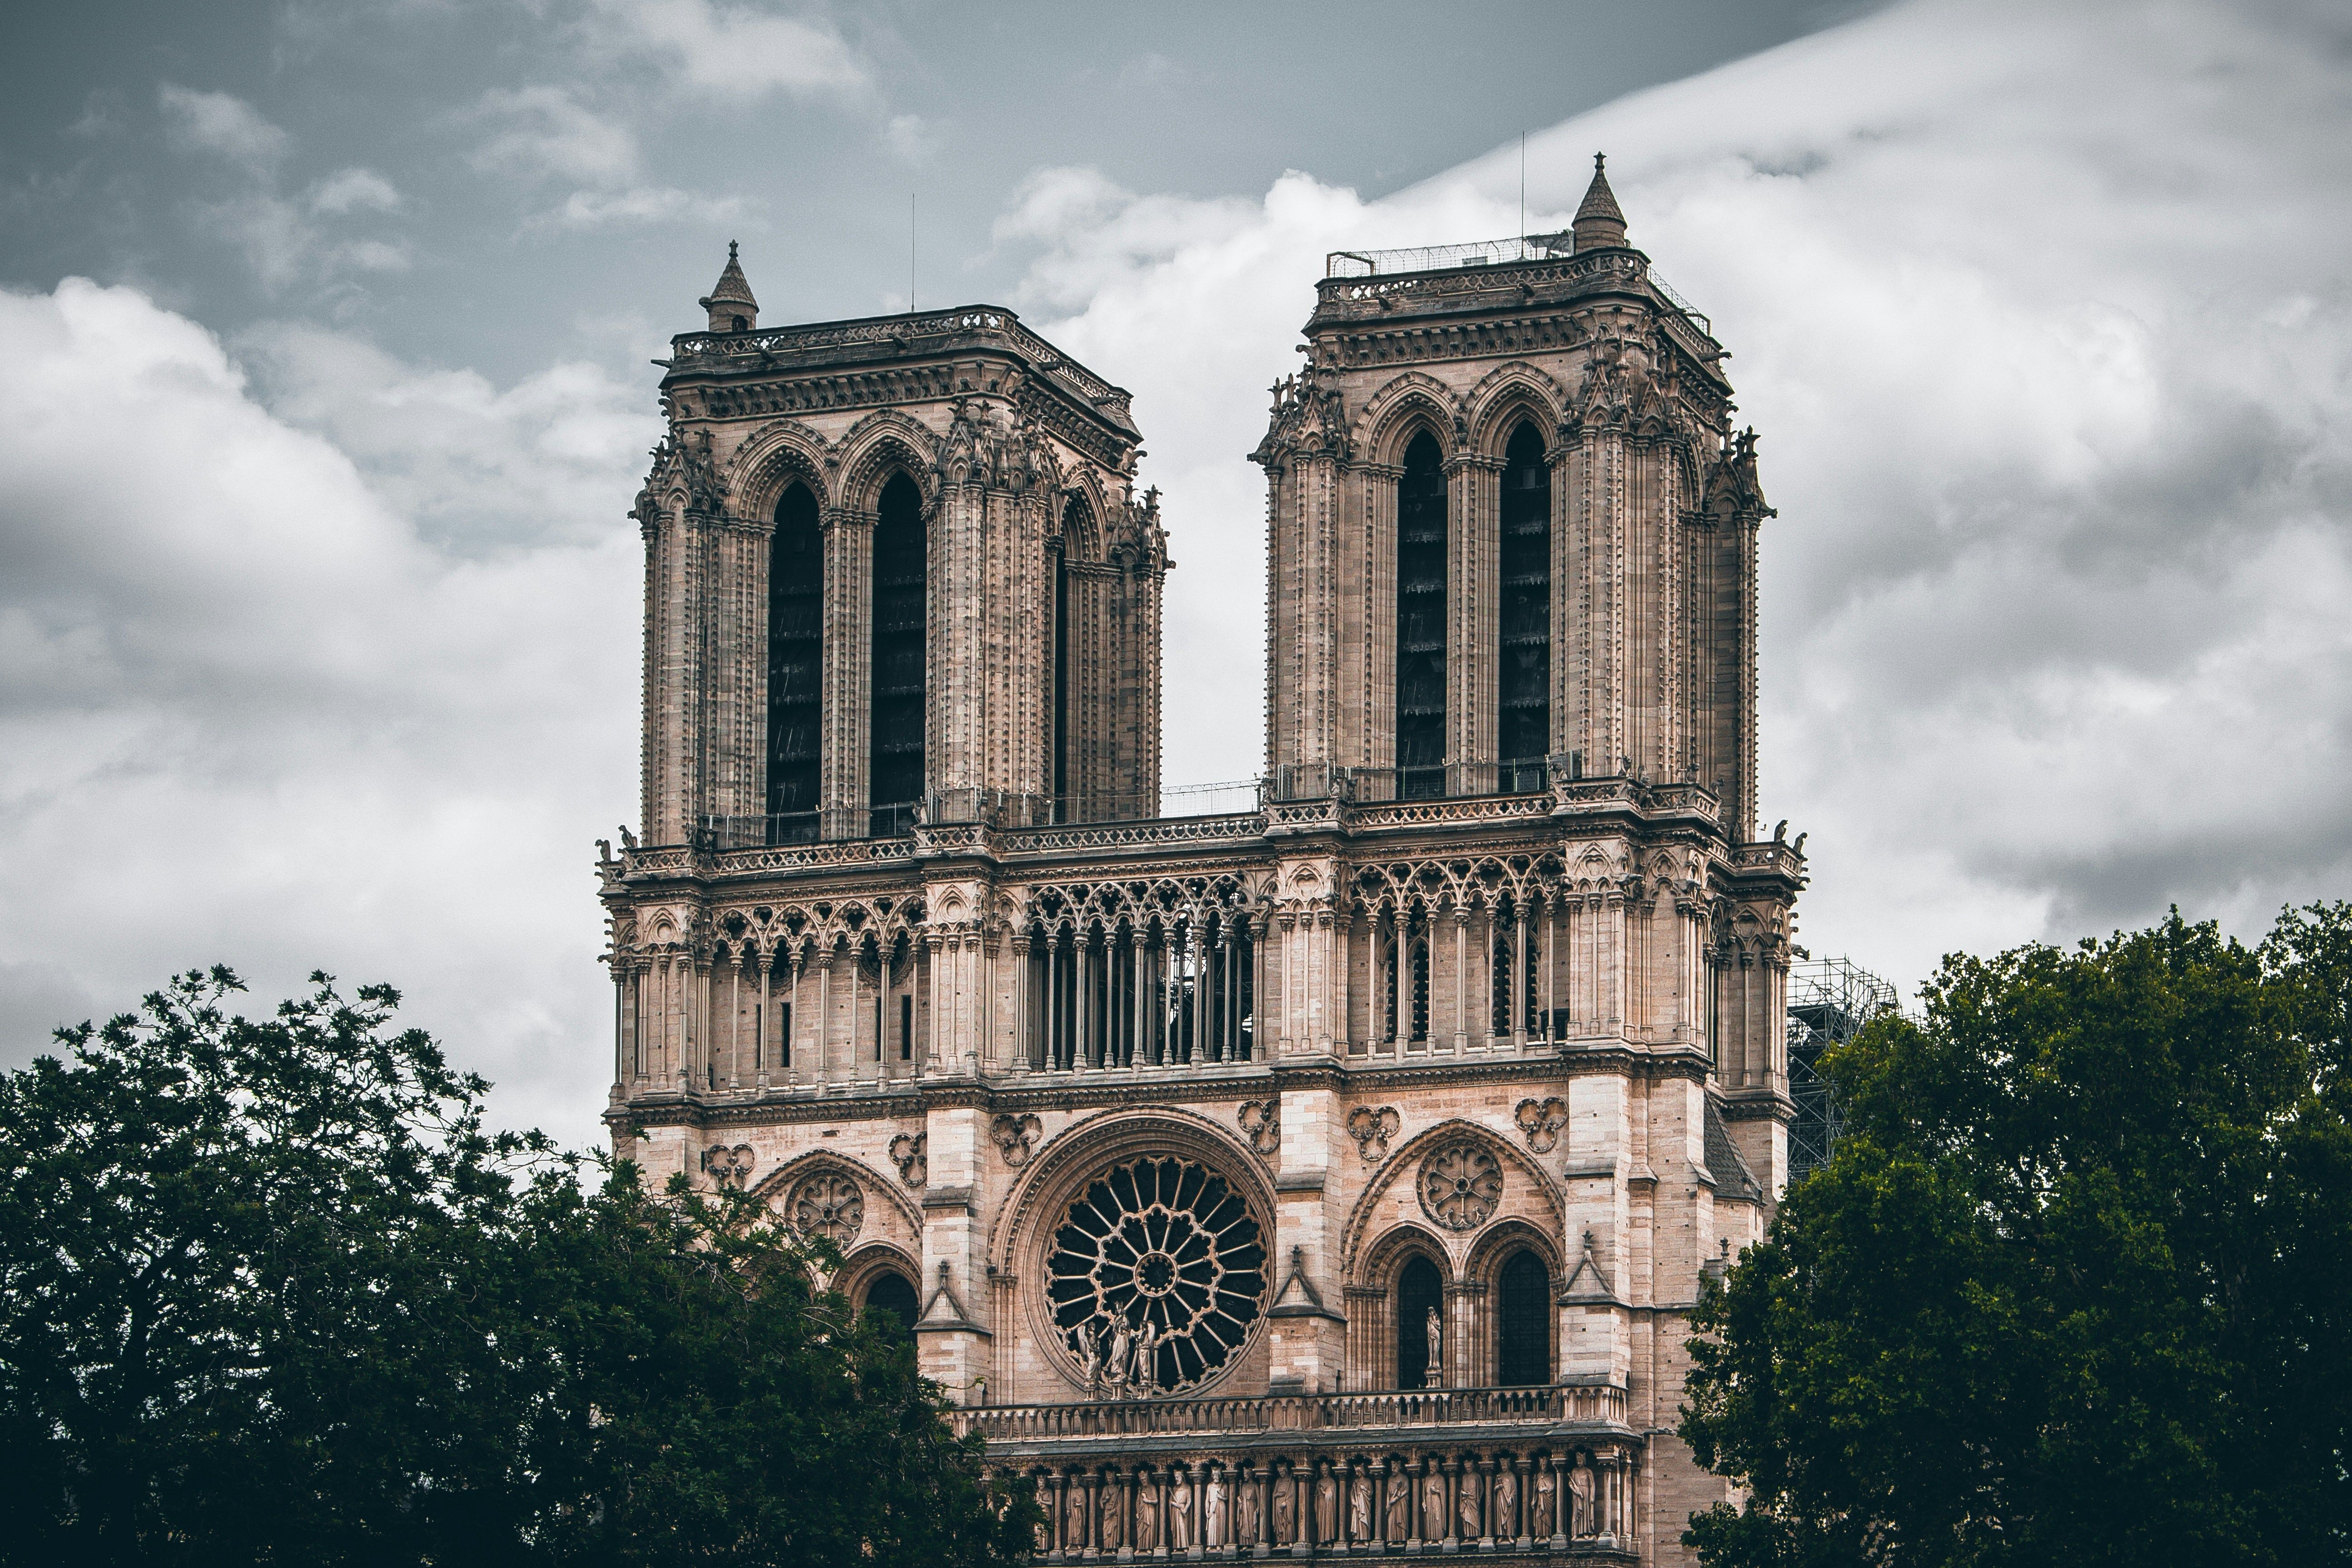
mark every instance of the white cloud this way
{"type": "Point", "coordinates": [2051, 352]}
{"type": "Point", "coordinates": [739, 50]}
{"type": "Point", "coordinates": [351, 693]}
{"type": "Point", "coordinates": [912, 138]}
{"type": "Point", "coordinates": [221, 124]}
{"type": "Point", "coordinates": [645, 203]}
{"type": "Point", "coordinates": [544, 131]}
{"type": "Point", "coordinates": [354, 190]}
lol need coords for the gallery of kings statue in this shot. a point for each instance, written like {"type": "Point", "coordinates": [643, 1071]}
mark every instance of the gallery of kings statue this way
{"type": "Point", "coordinates": [1331, 1177]}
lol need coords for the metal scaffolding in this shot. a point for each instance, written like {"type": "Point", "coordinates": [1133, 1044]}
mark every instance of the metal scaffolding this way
{"type": "Point", "coordinates": [1829, 999]}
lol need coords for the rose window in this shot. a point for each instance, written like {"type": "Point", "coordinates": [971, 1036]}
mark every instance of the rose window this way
{"type": "Point", "coordinates": [1460, 1185]}
{"type": "Point", "coordinates": [1160, 1252]}
{"type": "Point", "coordinates": [828, 1205]}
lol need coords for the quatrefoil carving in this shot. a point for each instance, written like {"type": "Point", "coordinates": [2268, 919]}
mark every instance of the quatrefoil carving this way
{"type": "Point", "coordinates": [1372, 1129]}
{"type": "Point", "coordinates": [1542, 1121]}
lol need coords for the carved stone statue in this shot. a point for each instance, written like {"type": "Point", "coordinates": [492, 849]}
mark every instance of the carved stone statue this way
{"type": "Point", "coordinates": [1246, 1513]}
{"type": "Point", "coordinates": [1434, 1329]}
{"type": "Point", "coordinates": [1433, 1505]}
{"type": "Point", "coordinates": [1579, 1489]}
{"type": "Point", "coordinates": [1359, 1507]}
{"type": "Point", "coordinates": [1082, 1345]}
{"type": "Point", "coordinates": [1507, 1499]}
{"type": "Point", "coordinates": [1285, 1511]}
{"type": "Point", "coordinates": [1074, 1517]}
{"type": "Point", "coordinates": [1122, 1352]}
{"type": "Point", "coordinates": [1179, 1512]}
{"type": "Point", "coordinates": [1400, 1507]}
{"type": "Point", "coordinates": [1326, 1507]}
{"type": "Point", "coordinates": [1212, 1511]}
{"type": "Point", "coordinates": [1045, 1511]}
{"type": "Point", "coordinates": [1547, 1504]}
{"type": "Point", "coordinates": [1143, 1376]}
{"type": "Point", "coordinates": [1114, 1515]}
{"type": "Point", "coordinates": [1147, 1514]}
{"type": "Point", "coordinates": [1468, 1508]}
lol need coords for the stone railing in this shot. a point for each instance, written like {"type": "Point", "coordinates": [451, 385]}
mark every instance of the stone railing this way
{"type": "Point", "coordinates": [1556, 1496]}
{"type": "Point", "coordinates": [1595, 1405]}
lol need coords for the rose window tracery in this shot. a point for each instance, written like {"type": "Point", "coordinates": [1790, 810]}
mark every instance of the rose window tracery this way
{"type": "Point", "coordinates": [1460, 1185]}
{"type": "Point", "coordinates": [1160, 1259]}
{"type": "Point", "coordinates": [829, 1205]}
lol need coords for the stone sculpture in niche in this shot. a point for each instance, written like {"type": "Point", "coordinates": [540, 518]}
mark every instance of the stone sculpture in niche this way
{"type": "Point", "coordinates": [1114, 1535]}
{"type": "Point", "coordinates": [1359, 1506]}
{"type": "Point", "coordinates": [1541, 1120]}
{"type": "Point", "coordinates": [1213, 1510]}
{"type": "Point", "coordinates": [1460, 1184]}
{"type": "Point", "coordinates": [1372, 1129]}
{"type": "Point", "coordinates": [1433, 1328]}
{"type": "Point", "coordinates": [1076, 1514]}
{"type": "Point", "coordinates": [1579, 1489]}
{"type": "Point", "coordinates": [1469, 1510]}
{"type": "Point", "coordinates": [1326, 1504]}
{"type": "Point", "coordinates": [1507, 1499]}
{"type": "Point", "coordinates": [829, 1205]}
{"type": "Point", "coordinates": [1433, 1502]}
{"type": "Point", "coordinates": [1285, 1508]}
{"type": "Point", "coordinates": [1180, 1511]}
{"type": "Point", "coordinates": [1146, 1514]}
{"type": "Point", "coordinates": [1546, 1499]}
{"type": "Point", "coordinates": [1400, 1506]}
{"type": "Point", "coordinates": [1246, 1511]}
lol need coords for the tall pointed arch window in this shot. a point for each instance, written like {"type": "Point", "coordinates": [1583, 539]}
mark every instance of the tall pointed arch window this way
{"type": "Point", "coordinates": [1060, 709]}
{"type": "Point", "coordinates": [895, 754]}
{"type": "Point", "coordinates": [796, 665]}
{"type": "Point", "coordinates": [1421, 621]}
{"type": "Point", "coordinates": [1523, 1336]}
{"type": "Point", "coordinates": [1524, 663]}
{"type": "Point", "coordinates": [1419, 1293]}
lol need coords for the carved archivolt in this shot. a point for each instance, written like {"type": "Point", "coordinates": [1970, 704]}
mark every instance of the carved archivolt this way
{"type": "Point", "coordinates": [1527, 1182]}
{"type": "Point", "coordinates": [1391, 414]}
{"type": "Point", "coordinates": [770, 459]}
{"type": "Point", "coordinates": [879, 443]}
{"type": "Point", "coordinates": [1506, 391]}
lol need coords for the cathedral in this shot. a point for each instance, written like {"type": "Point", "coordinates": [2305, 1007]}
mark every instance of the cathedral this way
{"type": "Point", "coordinates": [1330, 1177]}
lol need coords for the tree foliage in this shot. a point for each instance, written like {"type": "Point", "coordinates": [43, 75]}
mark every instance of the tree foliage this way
{"type": "Point", "coordinates": [271, 1293]}
{"type": "Point", "coordinates": [2073, 1288]}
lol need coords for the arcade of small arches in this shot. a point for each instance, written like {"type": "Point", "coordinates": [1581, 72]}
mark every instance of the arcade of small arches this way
{"type": "Point", "coordinates": [1474, 953]}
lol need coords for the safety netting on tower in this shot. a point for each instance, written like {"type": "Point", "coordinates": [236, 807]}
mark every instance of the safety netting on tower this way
{"type": "Point", "coordinates": [1829, 999]}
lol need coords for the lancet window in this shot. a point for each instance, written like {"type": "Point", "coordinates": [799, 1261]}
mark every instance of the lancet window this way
{"type": "Point", "coordinates": [795, 666]}
{"type": "Point", "coordinates": [890, 1297]}
{"type": "Point", "coordinates": [1524, 663]}
{"type": "Point", "coordinates": [1109, 995]}
{"type": "Point", "coordinates": [894, 758]}
{"type": "Point", "coordinates": [1421, 621]}
{"type": "Point", "coordinates": [1523, 1321]}
{"type": "Point", "coordinates": [1420, 1296]}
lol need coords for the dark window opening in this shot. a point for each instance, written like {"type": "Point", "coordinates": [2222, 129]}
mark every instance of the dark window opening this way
{"type": "Point", "coordinates": [895, 755]}
{"type": "Point", "coordinates": [890, 1302]}
{"type": "Point", "coordinates": [1421, 621]}
{"type": "Point", "coordinates": [1524, 666]}
{"type": "Point", "coordinates": [1060, 707]}
{"type": "Point", "coordinates": [1419, 1291]}
{"type": "Point", "coordinates": [741, 324]}
{"type": "Point", "coordinates": [795, 661]}
{"type": "Point", "coordinates": [907, 1027]}
{"type": "Point", "coordinates": [783, 1034]}
{"type": "Point", "coordinates": [1523, 1322]}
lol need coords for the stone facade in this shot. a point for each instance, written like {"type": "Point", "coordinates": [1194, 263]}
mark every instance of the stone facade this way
{"type": "Point", "coordinates": [1337, 1172]}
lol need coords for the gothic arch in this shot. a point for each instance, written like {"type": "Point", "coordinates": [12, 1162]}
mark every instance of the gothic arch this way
{"type": "Point", "coordinates": [1405, 1163]}
{"type": "Point", "coordinates": [869, 1258]}
{"type": "Point", "coordinates": [1083, 501]}
{"type": "Point", "coordinates": [774, 455]}
{"type": "Point", "coordinates": [1411, 402]}
{"type": "Point", "coordinates": [772, 1188]}
{"type": "Point", "coordinates": [876, 445]}
{"type": "Point", "coordinates": [1378, 1268]}
{"type": "Point", "coordinates": [1060, 1173]}
{"type": "Point", "coordinates": [1508, 392]}
{"type": "Point", "coordinates": [1072, 1156]}
{"type": "Point", "coordinates": [1504, 1237]}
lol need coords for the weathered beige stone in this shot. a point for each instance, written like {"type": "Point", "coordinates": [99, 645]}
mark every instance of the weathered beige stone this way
{"type": "Point", "coordinates": [1540, 1013]}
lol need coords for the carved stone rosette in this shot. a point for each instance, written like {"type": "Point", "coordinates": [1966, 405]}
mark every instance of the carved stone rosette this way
{"type": "Point", "coordinates": [828, 1204]}
{"type": "Point", "coordinates": [1460, 1185]}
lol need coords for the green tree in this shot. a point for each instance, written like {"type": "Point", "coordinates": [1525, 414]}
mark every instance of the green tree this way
{"type": "Point", "coordinates": [2073, 1288]}
{"type": "Point", "coordinates": [270, 1292]}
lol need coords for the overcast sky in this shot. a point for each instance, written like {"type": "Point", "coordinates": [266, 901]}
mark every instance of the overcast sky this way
{"type": "Point", "coordinates": [323, 392]}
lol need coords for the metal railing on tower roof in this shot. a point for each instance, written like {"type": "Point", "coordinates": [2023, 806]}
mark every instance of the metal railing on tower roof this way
{"type": "Point", "coordinates": [1436, 257]}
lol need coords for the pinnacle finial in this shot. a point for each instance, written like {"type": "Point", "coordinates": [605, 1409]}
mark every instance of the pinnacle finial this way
{"type": "Point", "coordinates": [1599, 220]}
{"type": "Point", "coordinates": [730, 302]}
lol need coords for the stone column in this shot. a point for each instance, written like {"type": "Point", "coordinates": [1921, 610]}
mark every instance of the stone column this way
{"type": "Point", "coordinates": [848, 675]}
